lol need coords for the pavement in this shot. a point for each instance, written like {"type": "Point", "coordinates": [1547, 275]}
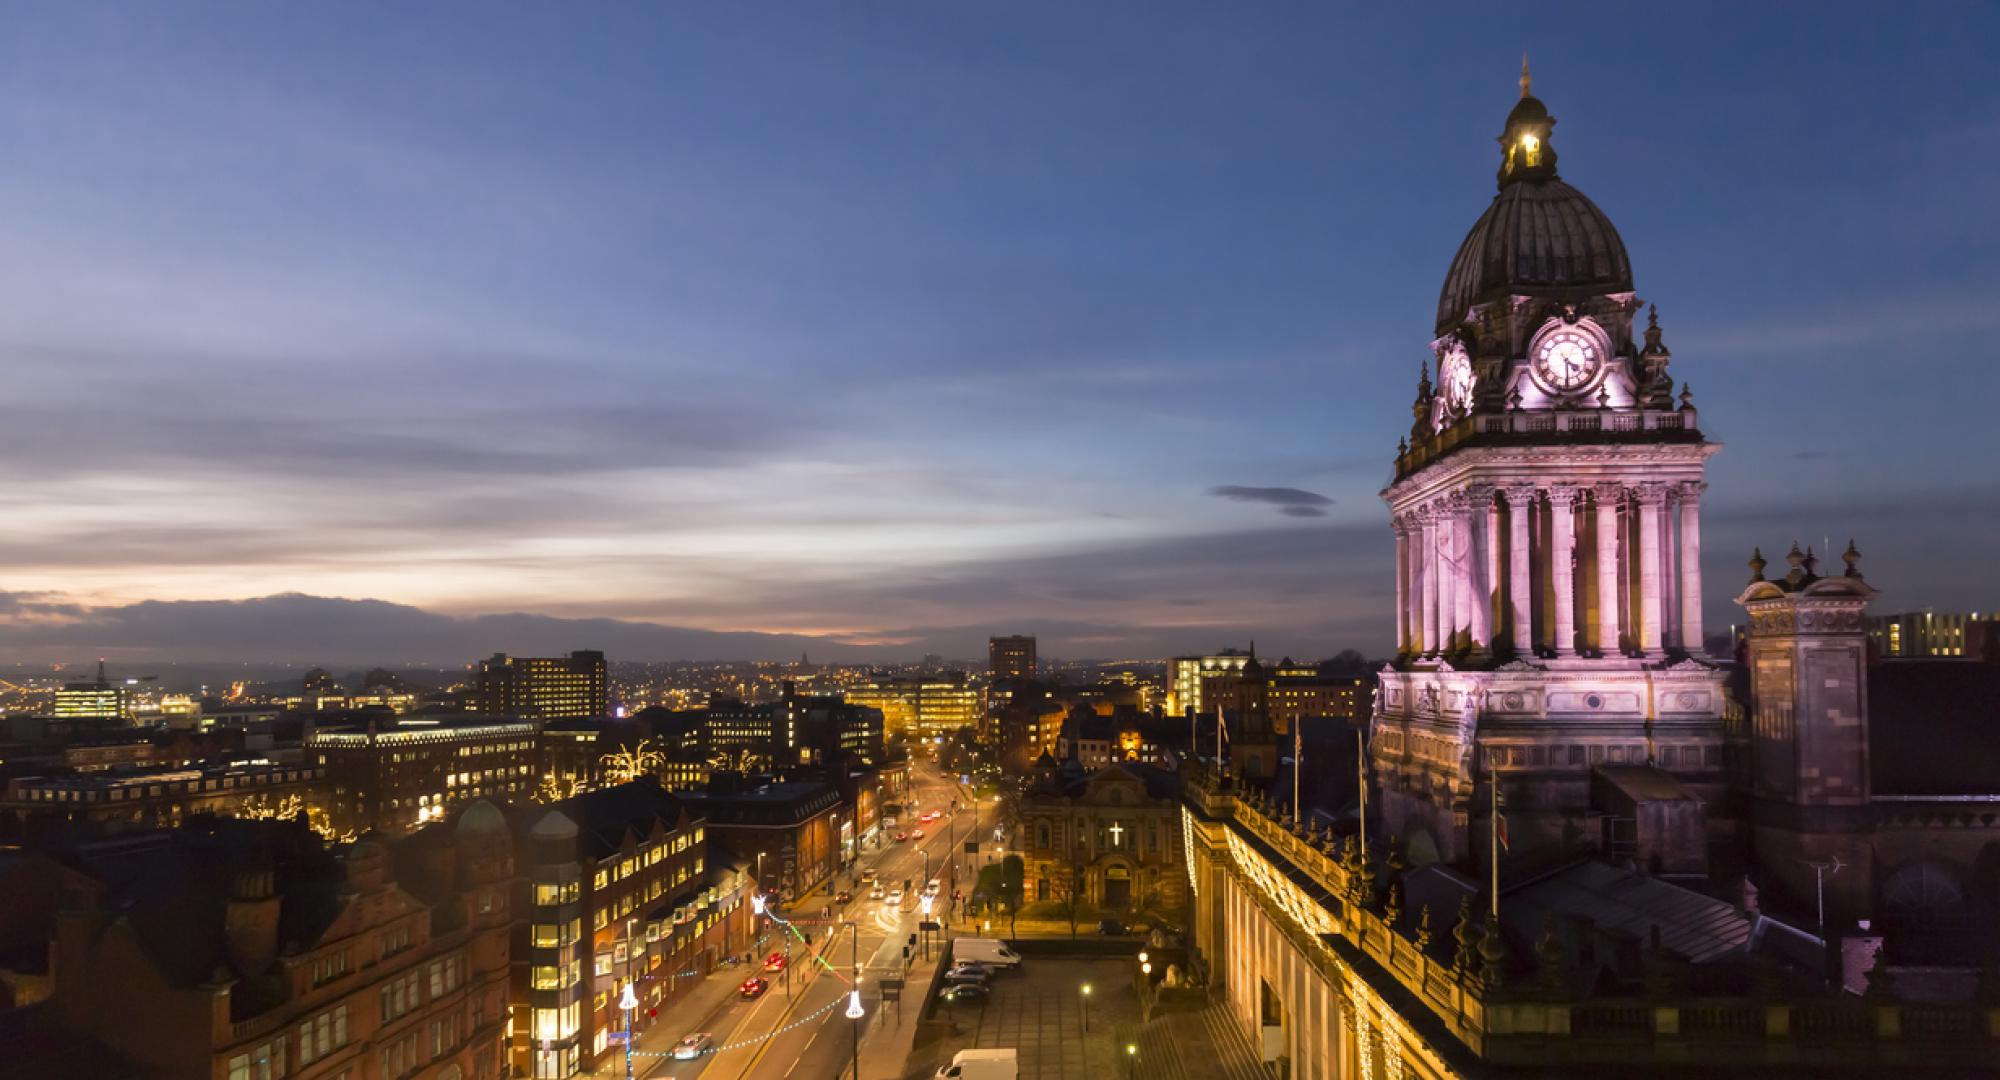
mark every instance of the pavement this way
{"type": "Point", "coordinates": [800, 1031]}
{"type": "Point", "coordinates": [1060, 1033]}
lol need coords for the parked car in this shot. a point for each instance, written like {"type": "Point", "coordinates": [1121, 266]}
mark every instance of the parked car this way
{"type": "Point", "coordinates": [1110, 927]}
{"type": "Point", "coordinates": [753, 988]}
{"type": "Point", "coordinates": [693, 1046]}
{"type": "Point", "coordinates": [960, 976]}
{"type": "Point", "coordinates": [965, 993]}
{"type": "Point", "coordinates": [775, 962]}
{"type": "Point", "coordinates": [842, 897]}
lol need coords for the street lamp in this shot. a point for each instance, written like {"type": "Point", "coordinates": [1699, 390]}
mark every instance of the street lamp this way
{"type": "Point", "coordinates": [1146, 969]}
{"type": "Point", "coordinates": [1131, 1059]}
{"type": "Point", "coordinates": [1083, 1003]}
{"type": "Point", "coordinates": [1142, 956]}
{"type": "Point", "coordinates": [628, 1001]}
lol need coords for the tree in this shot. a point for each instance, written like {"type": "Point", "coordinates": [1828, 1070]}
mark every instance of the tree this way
{"type": "Point", "coordinates": [555, 787]}
{"type": "Point", "coordinates": [628, 763]}
{"type": "Point", "coordinates": [1070, 893]}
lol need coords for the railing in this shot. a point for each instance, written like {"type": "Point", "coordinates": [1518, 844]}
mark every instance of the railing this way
{"type": "Point", "coordinates": [1485, 1017]}
{"type": "Point", "coordinates": [1545, 422]}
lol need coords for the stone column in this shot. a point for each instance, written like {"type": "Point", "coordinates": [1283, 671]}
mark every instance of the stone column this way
{"type": "Point", "coordinates": [1449, 567]}
{"type": "Point", "coordinates": [1690, 557]}
{"type": "Point", "coordinates": [1402, 585]}
{"type": "Point", "coordinates": [1465, 575]}
{"type": "Point", "coordinates": [1479, 581]}
{"type": "Point", "coordinates": [1562, 565]}
{"type": "Point", "coordinates": [1652, 507]}
{"type": "Point", "coordinates": [1427, 521]}
{"type": "Point", "coordinates": [1608, 498]}
{"type": "Point", "coordinates": [1487, 624]}
{"type": "Point", "coordinates": [1520, 572]}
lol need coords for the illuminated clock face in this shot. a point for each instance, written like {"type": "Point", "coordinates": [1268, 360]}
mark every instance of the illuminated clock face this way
{"type": "Point", "coordinates": [1455, 380]}
{"type": "Point", "coordinates": [1566, 359]}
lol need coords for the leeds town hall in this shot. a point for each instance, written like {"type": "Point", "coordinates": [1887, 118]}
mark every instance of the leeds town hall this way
{"type": "Point", "coordinates": [1703, 867]}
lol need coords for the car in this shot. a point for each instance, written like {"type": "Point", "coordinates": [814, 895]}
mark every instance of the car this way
{"type": "Point", "coordinates": [753, 987]}
{"type": "Point", "coordinates": [902, 836]}
{"type": "Point", "coordinates": [916, 834]}
{"type": "Point", "coordinates": [842, 897]}
{"type": "Point", "coordinates": [894, 899]}
{"type": "Point", "coordinates": [968, 966]}
{"type": "Point", "coordinates": [964, 993]}
{"type": "Point", "coordinates": [693, 1046]}
{"type": "Point", "coordinates": [961, 976]}
{"type": "Point", "coordinates": [868, 876]}
{"type": "Point", "coordinates": [933, 887]}
{"type": "Point", "coordinates": [775, 962]}
{"type": "Point", "coordinates": [875, 892]}
{"type": "Point", "coordinates": [1110, 927]}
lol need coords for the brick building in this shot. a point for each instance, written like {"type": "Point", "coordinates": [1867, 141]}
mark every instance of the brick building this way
{"type": "Point", "coordinates": [242, 950]}
{"type": "Point", "coordinates": [617, 887]}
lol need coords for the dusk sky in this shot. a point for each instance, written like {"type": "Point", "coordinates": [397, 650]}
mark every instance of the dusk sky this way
{"type": "Point", "coordinates": [911, 323]}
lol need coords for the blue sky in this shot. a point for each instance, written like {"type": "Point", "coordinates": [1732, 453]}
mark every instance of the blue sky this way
{"type": "Point", "coordinates": [907, 323]}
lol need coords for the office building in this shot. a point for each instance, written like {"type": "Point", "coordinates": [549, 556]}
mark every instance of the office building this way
{"type": "Point", "coordinates": [925, 707]}
{"type": "Point", "coordinates": [1188, 676]}
{"type": "Point", "coordinates": [395, 774]}
{"type": "Point", "coordinates": [543, 687]}
{"type": "Point", "coordinates": [1935, 635]}
{"type": "Point", "coordinates": [1011, 657]}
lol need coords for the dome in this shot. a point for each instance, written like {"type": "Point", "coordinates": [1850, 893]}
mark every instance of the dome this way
{"type": "Point", "coordinates": [1540, 237]}
{"type": "Point", "coordinates": [481, 818]}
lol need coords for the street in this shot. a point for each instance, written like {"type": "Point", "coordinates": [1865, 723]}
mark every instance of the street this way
{"type": "Point", "coordinates": [798, 1027]}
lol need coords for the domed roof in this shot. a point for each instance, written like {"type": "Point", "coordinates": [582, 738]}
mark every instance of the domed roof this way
{"type": "Point", "coordinates": [1539, 237]}
{"type": "Point", "coordinates": [481, 818]}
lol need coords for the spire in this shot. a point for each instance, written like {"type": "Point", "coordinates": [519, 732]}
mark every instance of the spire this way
{"type": "Point", "coordinates": [1525, 151]}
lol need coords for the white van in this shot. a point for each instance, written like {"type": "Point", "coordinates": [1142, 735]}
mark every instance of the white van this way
{"type": "Point", "coordinates": [982, 1065]}
{"type": "Point", "coordinates": [988, 951]}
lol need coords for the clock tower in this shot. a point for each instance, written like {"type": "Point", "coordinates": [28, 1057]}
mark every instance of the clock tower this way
{"type": "Point", "coordinates": [1547, 514]}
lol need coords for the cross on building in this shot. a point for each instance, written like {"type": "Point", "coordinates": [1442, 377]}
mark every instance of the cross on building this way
{"type": "Point", "coordinates": [1117, 831]}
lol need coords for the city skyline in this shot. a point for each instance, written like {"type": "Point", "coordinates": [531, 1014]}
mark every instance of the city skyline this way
{"type": "Point", "coordinates": [1086, 326]}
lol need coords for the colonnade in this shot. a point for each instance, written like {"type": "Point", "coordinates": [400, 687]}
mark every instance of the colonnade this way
{"type": "Point", "coordinates": [1605, 569]}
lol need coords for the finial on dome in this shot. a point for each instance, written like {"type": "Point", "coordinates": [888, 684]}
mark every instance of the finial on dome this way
{"type": "Point", "coordinates": [1527, 80]}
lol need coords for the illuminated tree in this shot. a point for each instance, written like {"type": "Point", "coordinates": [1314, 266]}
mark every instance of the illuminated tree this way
{"type": "Point", "coordinates": [555, 787]}
{"type": "Point", "coordinates": [628, 763]}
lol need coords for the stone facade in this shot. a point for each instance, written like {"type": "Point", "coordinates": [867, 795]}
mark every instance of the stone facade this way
{"type": "Point", "coordinates": [1113, 833]}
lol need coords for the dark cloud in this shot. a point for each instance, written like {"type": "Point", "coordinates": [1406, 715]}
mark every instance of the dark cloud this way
{"type": "Point", "coordinates": [1291, 502]}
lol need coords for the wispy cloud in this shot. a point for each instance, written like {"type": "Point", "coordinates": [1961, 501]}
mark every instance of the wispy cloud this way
{"type": "Point", "coordinates": [1291, 502]}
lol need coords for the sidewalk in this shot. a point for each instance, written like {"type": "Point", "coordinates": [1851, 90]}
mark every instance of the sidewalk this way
{"type": "Point", "coordinates": [888, 1039]}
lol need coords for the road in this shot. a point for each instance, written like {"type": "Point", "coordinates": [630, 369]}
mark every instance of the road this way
{"type": "Point", "coordinates": [798, 1029]}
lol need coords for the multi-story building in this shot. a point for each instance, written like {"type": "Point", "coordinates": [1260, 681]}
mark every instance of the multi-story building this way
{"type": "Point", "coordinates": [398, 773]}
{"type": "Point", "coordinates": [1935, 635]}
{"type": "Point", "coordinates": [160, 796]}
{"type": "Point", "coordinates": [618, 887]}
{"type": "Point", "coordinates": [1188, 676]}
{"type": "Point", "coordinates": [544, 687]}
{"type": "Point", "coordinates": [921, 707]}
{"type": "Point", "coordinates": [788, 832]}
{"type": "Point", "coordinates": [250, 951]}
{"type": "Point", "coordinates": [1287, 693]}
{"type": "Point", "coordinates": [92, 701]}
{"type": "Point", "coordinates": [1595, 851]}
{"type": "Point", "coordinates": [1011, 657]}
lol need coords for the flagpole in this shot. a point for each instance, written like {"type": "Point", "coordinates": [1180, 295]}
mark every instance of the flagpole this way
{"type": "Point", "coordinates": [1298, 759]}
{"type": "Point", "coordinates": [1493, 782]}
{"type": "Point", "coordinates": [1218, 738]}
{"type": "Point", "coordinates": [1361, 776]}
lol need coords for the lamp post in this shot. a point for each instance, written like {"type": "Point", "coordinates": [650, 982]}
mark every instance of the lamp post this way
{"type": "Point", "coordinates": [1083, 1006]}
{"type": "Point", "coordinates": [1131, 1059]}
{"type": "Point", "coordinates": [854, 1010]}
{"type": "Point", "coordinates": [924, 903]}
{"type": "Point", "coordinates": [628, 1001]}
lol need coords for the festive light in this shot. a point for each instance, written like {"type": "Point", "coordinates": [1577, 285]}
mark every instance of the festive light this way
{"type": "Point", "coordinates": [854, 1010]}
{"type": "Point", "coordinates": [628, 1000]}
